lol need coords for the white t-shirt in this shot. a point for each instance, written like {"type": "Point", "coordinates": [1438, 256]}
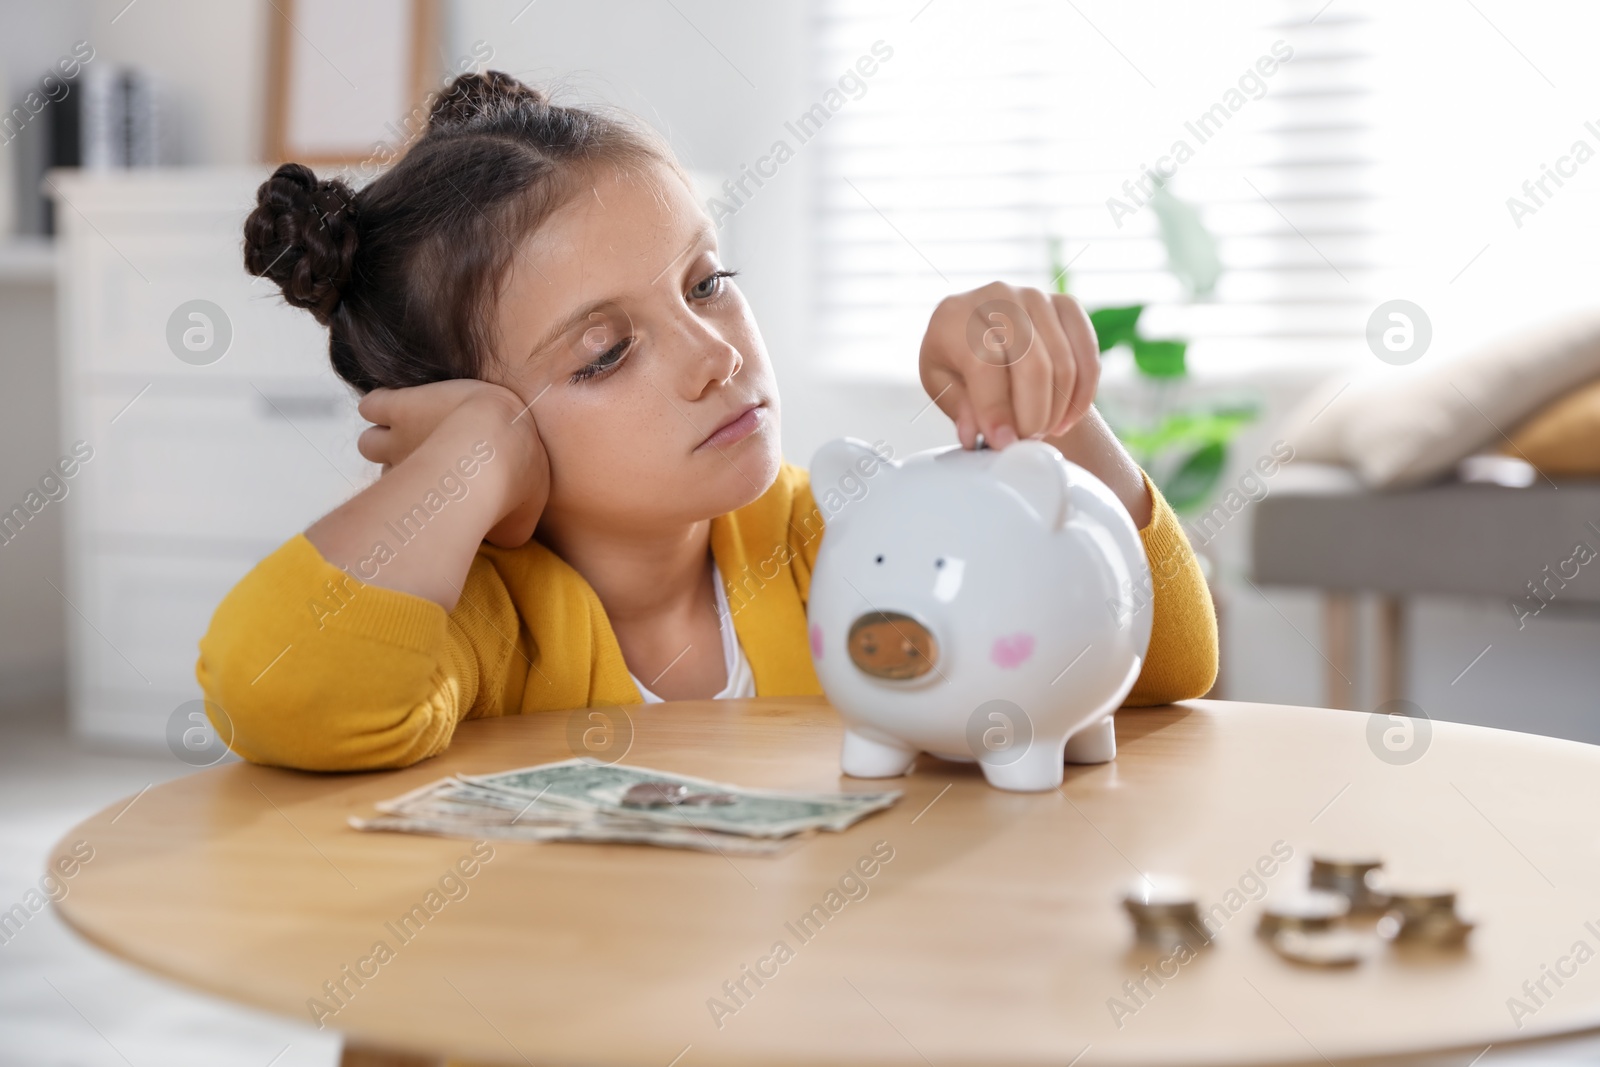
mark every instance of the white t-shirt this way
{"type": "Point", "coordinates": [741, 683]}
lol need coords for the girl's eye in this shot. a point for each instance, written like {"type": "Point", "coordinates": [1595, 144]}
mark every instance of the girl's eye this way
{"type": "Point", "coordinates": [709, 289]}
{"type": "Point", "coordinates": [603, 364]}
{"type": "Point", "coordinates": [715, 279]}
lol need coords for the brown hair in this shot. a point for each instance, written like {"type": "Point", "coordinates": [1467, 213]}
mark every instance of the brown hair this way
{"type": "Point", "coordinates": [404, 273]}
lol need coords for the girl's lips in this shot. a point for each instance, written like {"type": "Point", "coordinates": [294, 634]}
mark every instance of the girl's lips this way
{"type": "Point", "coordinates": [736, 429]}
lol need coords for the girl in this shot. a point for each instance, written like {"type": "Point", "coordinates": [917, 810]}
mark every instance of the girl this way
{"type": "Point", "coordinates": [578, 428]}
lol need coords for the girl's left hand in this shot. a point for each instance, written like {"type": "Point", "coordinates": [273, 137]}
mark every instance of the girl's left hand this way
{"type": "Point", "coordinates": [1010, 362]}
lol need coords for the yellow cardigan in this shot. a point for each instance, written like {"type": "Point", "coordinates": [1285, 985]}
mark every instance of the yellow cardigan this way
{"type": "Point", "coordinates": [317, 670]}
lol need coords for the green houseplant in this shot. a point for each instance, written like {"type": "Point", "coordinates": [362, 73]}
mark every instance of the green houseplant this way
{"type": "Point", "coordinates": [1183, 444]}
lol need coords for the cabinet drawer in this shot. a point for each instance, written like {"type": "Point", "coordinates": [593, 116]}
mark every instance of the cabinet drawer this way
{"type": "Point", "coordinates": [130, 293]}
{"type": "Point", "coordinates": [143, 617]}
{"type": "Point", "coordinates": [251, 464]}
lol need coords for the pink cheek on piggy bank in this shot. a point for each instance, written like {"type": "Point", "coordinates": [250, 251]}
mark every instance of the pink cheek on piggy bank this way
{"type": "Point", "coordinates": [816, 642]}
{"type": "Point", "coordinates": [1012, 650]}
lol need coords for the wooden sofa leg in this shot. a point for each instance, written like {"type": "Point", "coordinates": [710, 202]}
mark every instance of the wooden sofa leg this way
{"type": "Point", "coordinates": [1339, 647]}
{"type": "Point", "coordinates": [1391, 649]}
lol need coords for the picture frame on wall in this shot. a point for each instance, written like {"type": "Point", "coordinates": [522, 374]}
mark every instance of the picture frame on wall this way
{"type": "Point", "coordinates": [344, 76]}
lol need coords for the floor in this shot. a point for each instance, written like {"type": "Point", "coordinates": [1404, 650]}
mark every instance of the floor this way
{"type": "Point", "coordinates": [65, 1004]}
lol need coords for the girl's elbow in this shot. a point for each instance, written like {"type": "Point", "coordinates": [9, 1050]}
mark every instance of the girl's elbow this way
{"type": "Point", "coordinates": [1183, 668]}
{"type": "Point", "coordinates": [317, 724]}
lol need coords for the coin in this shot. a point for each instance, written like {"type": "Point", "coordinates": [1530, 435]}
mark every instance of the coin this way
{"type": "Point", "coordinates": [1157, 897]}
{"type": "Point", "coordinates": [1166, 904]}
{"type": "Point", "coordinates": [1323, 948]}
{"type": "Point", "coordinates": [1171, 935]}
{"type": "Point", "coordinates": [1419, 902]}
{"type": "Point", "coordinates": [670, 794]}
{"type": "Point", "coordinates": [655, 794]}
{"type": "Point", "coordinates": [1352, 876]}
{"type": "Point", "coordinates": [1342, 867]}
{"type": "Point", "coordinates": [1421, 913]}
{"type": "Point", "coordinates": [1304, 910]}
{"type": "Point", "coordinates": [1164, 912]}
{"type": "Point", "coordinates": [709, 798]}
{"type": "Point", "coordinates": [1436, 930]}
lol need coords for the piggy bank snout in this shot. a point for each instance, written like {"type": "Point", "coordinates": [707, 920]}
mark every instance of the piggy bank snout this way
{"type": "Point", "coordinates": [892, 644]}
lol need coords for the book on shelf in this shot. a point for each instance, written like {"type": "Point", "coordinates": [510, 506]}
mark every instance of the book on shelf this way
{"type": "Point", "coordinates": [110, 118]}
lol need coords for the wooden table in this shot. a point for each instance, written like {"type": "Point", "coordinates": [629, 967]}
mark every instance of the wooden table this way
{"type": "Point", "coordinates": [993, 936]}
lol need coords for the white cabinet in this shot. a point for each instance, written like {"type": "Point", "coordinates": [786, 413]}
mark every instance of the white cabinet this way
{"type": "Point", "coordinates": [198, 470]}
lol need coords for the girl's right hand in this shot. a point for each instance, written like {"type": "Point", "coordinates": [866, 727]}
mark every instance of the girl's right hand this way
{"type": "Point", "coordinates": [404, 418]}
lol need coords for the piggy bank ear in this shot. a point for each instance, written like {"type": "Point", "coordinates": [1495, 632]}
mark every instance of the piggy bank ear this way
{"type": "Point", "coordinates": [1039, 475]}
{"type": "Point", "coordinates": [842, 471]}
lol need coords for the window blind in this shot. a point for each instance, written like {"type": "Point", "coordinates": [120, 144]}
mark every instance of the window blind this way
{"type": "Point", "coordinates": [995, 127]}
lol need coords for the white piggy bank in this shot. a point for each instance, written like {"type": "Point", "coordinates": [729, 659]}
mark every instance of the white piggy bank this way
{"type": "Point", "coordinates": [990, 604]}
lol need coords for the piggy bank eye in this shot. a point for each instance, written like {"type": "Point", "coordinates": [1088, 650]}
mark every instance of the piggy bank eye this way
{"type": "Point", "coordinates": [880, 559]}
{"type": "Point", "coordinates": [939, 562]}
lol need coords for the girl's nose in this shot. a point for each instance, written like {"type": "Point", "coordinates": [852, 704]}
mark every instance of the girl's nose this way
{"type": "Point", "coordinates": [728, 356]}
{"type": "Point", "coordinates": [714, 360]}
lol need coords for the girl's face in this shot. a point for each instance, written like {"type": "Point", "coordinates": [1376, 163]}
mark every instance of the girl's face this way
{"type": "Point", "coordinates": [618, 328]}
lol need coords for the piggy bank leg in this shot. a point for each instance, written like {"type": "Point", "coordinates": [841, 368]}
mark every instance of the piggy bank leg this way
{"type": "Point", "coordinates": [1093, 744]}
{"type": "Point", "coordinates": [866, 757]}
{"type": "Point", "coordinates": [1038, 768]}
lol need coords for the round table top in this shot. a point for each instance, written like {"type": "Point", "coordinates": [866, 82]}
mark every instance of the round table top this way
{"type": "Point", "coordinates": [990, 930]}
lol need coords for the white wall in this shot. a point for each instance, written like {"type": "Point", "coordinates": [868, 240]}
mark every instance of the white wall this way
{"type": "Point", "coordinates": [36, 35]}
{"type": "Point", "coordinates": [32, 620]}
{"type": "Point", "coordinates": [32, 615]}
{"type": "Point", "coordinates": [211, 56]}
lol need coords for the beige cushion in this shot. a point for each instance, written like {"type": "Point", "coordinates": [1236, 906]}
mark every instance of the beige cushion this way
{"type": "Point", "coordinates": [1402, 426]}
{"type": "Point", "coordinates": [1562, 438]}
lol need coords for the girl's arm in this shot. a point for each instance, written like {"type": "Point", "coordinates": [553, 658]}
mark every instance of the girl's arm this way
{"type": "Point", "coordinates": [1091, 445]}
{"type": "Point", "coordinates": [462, 461]}
{"type": "Point", "coordinates": [1012, 362]}
{"type": "Point", "coordinates": [345, 649]}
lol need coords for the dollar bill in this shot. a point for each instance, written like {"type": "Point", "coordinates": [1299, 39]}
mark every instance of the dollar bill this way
{"type": "Point", "coordinates": [586, 800]}
{"type": "Point", "coordinates": [604, 831]}
{"type": "Point", "coordinates": [452, 797]}
{"type": "Point", "coordinates": [591, 785]}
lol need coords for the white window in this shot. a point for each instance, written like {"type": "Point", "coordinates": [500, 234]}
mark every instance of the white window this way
{"type": "Point", "coordinates": [1380, 161]}
{"type": "Point", "coordinates": [995, 126]}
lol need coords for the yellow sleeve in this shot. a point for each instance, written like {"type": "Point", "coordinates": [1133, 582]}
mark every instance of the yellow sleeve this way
{"type": "Point", "coordinates": [314, 669]}
{"type": "Point", "coordinates": [1182, 661]}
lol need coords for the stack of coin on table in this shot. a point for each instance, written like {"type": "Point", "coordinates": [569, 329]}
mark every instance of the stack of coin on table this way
{"type": "Point", "coordinates": [1319, 926]}
{"type": "Point", "coordinates": [1165, 915]}
{"type": "Point", "coordinates": [1308, 926]}
{"type": "Point", "coordinates": [1423, 916]}
{"type": "Point", "coordinates": [1350, 877]}
{"type": "Point", "coordinates": [1325, 924]}
{"type": "Point", "coordinates": [1410, 913]}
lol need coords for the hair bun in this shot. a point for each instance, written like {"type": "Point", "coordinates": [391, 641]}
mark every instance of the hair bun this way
{"type": "Point", "coordinates": [302, 235]}
{"type": "Point", "coordinates": [471, 97]}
